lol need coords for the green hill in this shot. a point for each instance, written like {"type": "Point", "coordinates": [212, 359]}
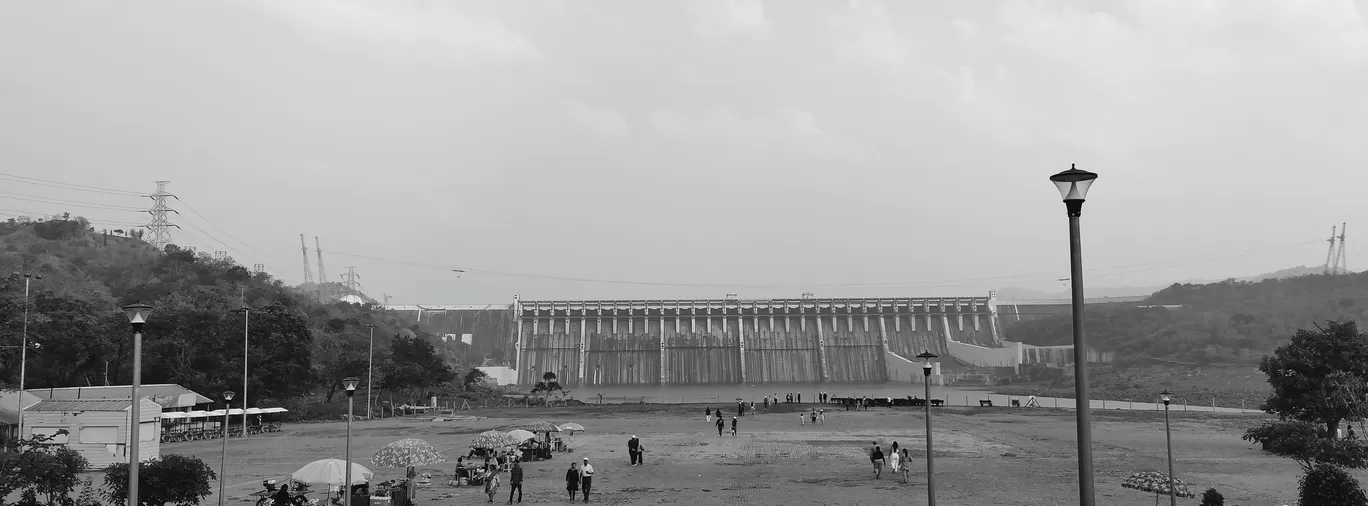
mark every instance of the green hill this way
{"type": "Point", "coordinates": [1217, 323]}
{"type": "Point", "coordinates": [298, 348]}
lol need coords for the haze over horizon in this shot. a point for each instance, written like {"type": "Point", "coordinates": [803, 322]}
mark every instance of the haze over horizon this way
{"type": "Point", "coordinates": [678, 150]}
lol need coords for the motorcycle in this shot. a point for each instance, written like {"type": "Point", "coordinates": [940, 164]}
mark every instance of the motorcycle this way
{"type": "Point", "coordinates": [298, 493]}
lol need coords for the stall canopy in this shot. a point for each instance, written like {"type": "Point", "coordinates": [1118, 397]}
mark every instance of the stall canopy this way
{"type": "Point", "coordinates": [177, 415]}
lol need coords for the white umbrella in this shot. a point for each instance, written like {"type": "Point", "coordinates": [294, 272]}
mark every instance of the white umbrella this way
{"type": "Point", "coordinates": [521, 435]}
{"type": "Point", "coordinates": [331, 472]}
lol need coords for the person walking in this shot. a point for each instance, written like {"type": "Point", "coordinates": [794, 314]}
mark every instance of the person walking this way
{"type": "Point", "coordinates": [634, 450]}
{"type": "Point", "coordinates": [586, 478]}
{"type": "Point", "coordinates": [720, 425]}
{"type": "Point", "coordinates": [878, 459]}
{"type": "Point", "coordinates": [906, 468]}
{"type": "Point", "coordinates": [572, 481]}
{"type": "Point", "coordinates": [733, 426]}
{"type": "Point", "coordinates": [707, 413]}
{"type": "Point", "coordinates": [491, 482]}
{"type": "Point", "coordinates": [515, 480]}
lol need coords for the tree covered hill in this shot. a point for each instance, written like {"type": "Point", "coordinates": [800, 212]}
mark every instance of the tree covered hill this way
{"type": "Point", "coordinates": [297, 347]}
{"type": "Point", "coordinates": [1226, 322]}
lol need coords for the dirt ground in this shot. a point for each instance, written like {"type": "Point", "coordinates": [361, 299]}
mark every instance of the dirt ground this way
{"type": "Point", "coordinates": [998, 456]}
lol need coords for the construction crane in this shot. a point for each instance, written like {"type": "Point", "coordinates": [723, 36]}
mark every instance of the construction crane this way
{"type": "Point", "coordinates": [1335, 261]}
{"type": "Point", "coordinates": [308, 274]}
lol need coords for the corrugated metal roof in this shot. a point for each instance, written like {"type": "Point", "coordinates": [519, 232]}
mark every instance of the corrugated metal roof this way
{"type": "Point", "coordinates": [166, 394]}
{"type": "Point", "coordinates": [83, 405]}
{"type": "Point", "coordinates": [9, 414]}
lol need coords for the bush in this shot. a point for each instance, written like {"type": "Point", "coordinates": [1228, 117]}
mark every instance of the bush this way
{"type": "Point", "coordinates": [1212, 498]}
{"type": "Point", "coordinates": [1327, 485]}
{"type": "Point", "coordinates": [174, 479]}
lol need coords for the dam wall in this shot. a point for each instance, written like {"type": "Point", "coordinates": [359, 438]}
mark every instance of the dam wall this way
{"type": "Point", "coordinates": [730, 341]}
{"type": "Point", "coordinates": [489, 326]}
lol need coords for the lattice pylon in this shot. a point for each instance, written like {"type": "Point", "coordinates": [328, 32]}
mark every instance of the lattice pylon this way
{"type": "Point", "coordinates": [160, 226]}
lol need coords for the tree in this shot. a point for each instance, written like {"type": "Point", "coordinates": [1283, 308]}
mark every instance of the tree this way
{"type": "Point", "coordinates": [474, 377]}
{"type": "Point", "coordinates": [1305, 443]}
{"type": "Point", "coordinates": [176, 479]}
{"type": "Point", "coordinates": [1319, 377]}
{"type": "Point", "coordinates": [1327, 484]}
{"type": "Point", "coordinates": [548, 385]}
{"type": "Point", "coordinates": [34, 467]}
{"type": "Point", "coordinates": [415, 365]}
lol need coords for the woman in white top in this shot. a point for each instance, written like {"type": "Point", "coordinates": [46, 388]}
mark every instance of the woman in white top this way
{"type": "Point", "coordinates": [893, 461]}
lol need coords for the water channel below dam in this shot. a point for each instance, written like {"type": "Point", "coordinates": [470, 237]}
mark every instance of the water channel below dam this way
{"type": "Point", "coordinates": [726, 395]}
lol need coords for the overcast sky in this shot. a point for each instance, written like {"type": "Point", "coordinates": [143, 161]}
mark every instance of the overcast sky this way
{"type": "Point", "coordinates": [699, 148]}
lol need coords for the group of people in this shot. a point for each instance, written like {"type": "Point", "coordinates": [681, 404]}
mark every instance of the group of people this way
{"type": "Point", "coordinates": [897, 460]}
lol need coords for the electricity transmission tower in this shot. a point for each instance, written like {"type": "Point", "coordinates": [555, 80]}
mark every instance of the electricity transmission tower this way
{"type": "Point", "coordinates": [160, 227]}
{"type": "Point", "coordinates": [1335, 260]}
{"type": "Point", "coordinates": [350, 278]}
{"type": "Point", "coordinates": [308, 273]}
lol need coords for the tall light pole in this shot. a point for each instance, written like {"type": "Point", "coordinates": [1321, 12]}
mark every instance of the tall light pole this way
{"type": "Point", "coordinates": [1167, 396]}
{"type": "Point", "coordinates": [350, 385]}
{"type": "Point", "coordinates": [23, 352]}
{"type": "Point", "coordinates": [245, 327]}
{"type": "Point", "coordinates": [1073, 187]}
{"type": "Point", "coordinates": [926, 357]}
{"type": "Point", "coordinates": [137, 317]}
{"type": "Point", "coordinates": [370, 369]}
{"type": "Point", "coordinates": [223, 463]}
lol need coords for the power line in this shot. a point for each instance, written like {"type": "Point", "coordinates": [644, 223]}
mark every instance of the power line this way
{"type": "Point", "coordinates": [68, 186]}
{"type": "Point", "coordinates": [190, 208]}
{"type": "Point", "coordinates": [63, 202]}
{"type": "Point", "coordinates": [944, 283]}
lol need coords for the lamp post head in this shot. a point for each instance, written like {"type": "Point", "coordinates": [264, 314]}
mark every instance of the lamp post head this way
{"type": "Point", "coordinates": [926, 357]}
{"type": "Point", "coordinates": [1166, 396]}
{"type": "Point", "coordinates": [1073, 187]}
{"type": "Point", "coordinates": [227, 395]}
{"type": "Point", "coordinates": [349, 383]}
{"type": "Point", "coordinates": [137, 314]}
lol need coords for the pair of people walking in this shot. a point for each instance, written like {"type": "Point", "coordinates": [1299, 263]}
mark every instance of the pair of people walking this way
{"type": "Point", "coordinates": [635, 450]}
{"type": "Point", "coordinates": [722, 425]}
{"type": "Point", "coordinates": [580, 479]}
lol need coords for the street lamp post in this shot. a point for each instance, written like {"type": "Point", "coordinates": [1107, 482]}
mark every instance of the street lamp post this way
{"type": "Point", "coordinates": [349, 384]}
{"type": "Point", "coordinates": [1167, 396]}
{"type": "Point", "coordinates": [246, 312]}
{"type": "Point", "coordinates": [137, 317]}
{"type": "Point", "coordinates": [1073, 187]}
{"type": "Point", "coordinates": [223, 463]}
{"type": "Point", "coordinates": [926, 357]}
{"type": "Point", "coordinates": [370, 368]}
{"type": "Point", "coordinates": [23, 353]}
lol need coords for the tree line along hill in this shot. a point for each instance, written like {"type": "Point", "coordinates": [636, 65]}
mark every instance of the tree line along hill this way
{"type": "Point", "coordinates": [1229, 322]}
{"type": "Point", "coordinates": [298, 352]}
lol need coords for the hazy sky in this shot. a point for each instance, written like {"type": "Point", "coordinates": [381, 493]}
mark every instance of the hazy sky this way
{"type": "Point", "coordinates": [735, 144]}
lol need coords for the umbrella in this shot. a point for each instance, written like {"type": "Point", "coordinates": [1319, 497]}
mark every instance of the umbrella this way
{"type": "Point", "coordinates": [521, 435]}
{"type": "Point", "coordinates": [541, 426]}
{"type": "Point", "coordinates": [571, 427]}
{"type": "Point", "coordinates": [1157, 482]}
{"type": "Point", "coordinates": [492, 439]}
{"type": "Point", "coordinates": [331, 472]}
{"type": "Point", "coordinates": [407, 453]}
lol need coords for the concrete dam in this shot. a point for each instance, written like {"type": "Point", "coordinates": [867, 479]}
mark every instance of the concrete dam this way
{"type": "Point", "coordinates": [729, 341]}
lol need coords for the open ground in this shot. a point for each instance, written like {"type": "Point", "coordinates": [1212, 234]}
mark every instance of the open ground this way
{"type": "Point", "coordinates": [999, 456]}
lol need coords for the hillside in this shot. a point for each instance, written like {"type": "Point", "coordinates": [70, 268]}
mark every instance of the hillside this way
{"type": "Point", "coordinates": [1016, 292]}
{"type": "Point", "coordinates": [298, 347]}
{"type": "Point", "coordinates": [1227, 322]}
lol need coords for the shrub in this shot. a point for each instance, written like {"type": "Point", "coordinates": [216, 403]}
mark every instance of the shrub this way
{"type": "Point", "coordinates": [1212, 498]}
{"type": "Point", "coordinates": [1326, 485]}
{"type": "Point", "coordinates": [174, 479]}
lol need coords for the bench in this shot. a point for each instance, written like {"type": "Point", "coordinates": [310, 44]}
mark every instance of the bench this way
{"type": "Point", "coordinates": [935, 403]}
{"type": "Point", "coordinates": [1016, 403]}
{"type": "Point", "coordinates": [986, 404]}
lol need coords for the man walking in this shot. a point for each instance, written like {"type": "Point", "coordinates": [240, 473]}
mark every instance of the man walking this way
{"type": "Point", "coordinates": [586, 478]}
{"type": "Point", "coordinates": [634, 450]}
{"type": "Point", "coordinates": [515, 479]}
